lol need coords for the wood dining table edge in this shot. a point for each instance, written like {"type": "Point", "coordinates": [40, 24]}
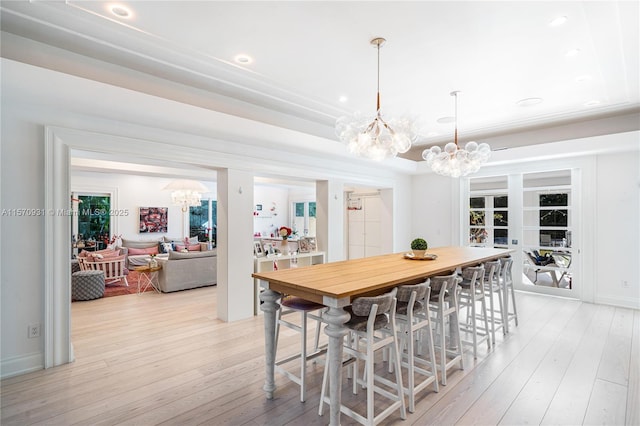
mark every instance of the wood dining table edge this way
{"type": "Point", "coordinates": [324, 296]}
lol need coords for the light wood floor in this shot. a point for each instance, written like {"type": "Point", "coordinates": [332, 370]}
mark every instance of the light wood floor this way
{"type": "Point", "coordinates": [166, 359]}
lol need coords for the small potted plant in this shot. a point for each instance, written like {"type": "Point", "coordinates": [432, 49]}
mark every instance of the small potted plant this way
{"type": "Point", "coordinates": [419, 246]}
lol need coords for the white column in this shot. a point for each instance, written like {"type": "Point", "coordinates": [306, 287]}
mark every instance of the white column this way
{"type": "Point", "coordinates": [235, 245]}
{"type": "Point", "coordinates": [330, 219]}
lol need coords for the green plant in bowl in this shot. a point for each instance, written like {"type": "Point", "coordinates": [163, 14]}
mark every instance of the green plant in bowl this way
{"type": "Point", "coordinates": [419, 246]}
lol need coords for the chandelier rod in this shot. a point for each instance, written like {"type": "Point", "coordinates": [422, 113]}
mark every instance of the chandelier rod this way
{"type": "Point", "coordinates": [378, 86]}
{"type": "Point", "coordinates": [378, 42]}
{"type": "Point", "coordinates": [455, 132]}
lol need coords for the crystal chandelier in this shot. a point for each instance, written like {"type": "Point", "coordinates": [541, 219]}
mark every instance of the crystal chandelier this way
{"type": "Point", "coordinates": [186, 193]}
{"type": "Point", "coordinates": [376, 138]}
{"type": "Point", "coordinates": [455, 161]}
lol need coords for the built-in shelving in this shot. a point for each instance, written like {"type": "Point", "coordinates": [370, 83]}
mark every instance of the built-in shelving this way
{"type": "Point", "coordinates": [285, 261]}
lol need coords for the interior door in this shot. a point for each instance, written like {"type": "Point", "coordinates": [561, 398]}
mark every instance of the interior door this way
{"type": "Point", "coordinates": [365, 226]}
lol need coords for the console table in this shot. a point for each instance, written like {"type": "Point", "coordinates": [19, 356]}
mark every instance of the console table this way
{"type": "Point", "coordinates": [335, 284]}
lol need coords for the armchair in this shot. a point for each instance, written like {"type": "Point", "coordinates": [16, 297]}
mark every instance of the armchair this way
{"type": "Point", "coordinates": [555, 262]}
{"type": "Point", "coordinates": [114, 268]}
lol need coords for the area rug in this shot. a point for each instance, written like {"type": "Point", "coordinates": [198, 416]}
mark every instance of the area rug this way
{"type": "Point", "coordinates": [119, 289]}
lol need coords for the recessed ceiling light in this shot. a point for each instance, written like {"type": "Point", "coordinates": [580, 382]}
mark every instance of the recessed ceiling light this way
{"type": "Point", "coordinates": [558, 21]}
{"type": "Point", "coordinates": [121, 11]}
{"type": "Point", "coordinates": [243, 59]}
{"type": "Point", "coordinates": [343, 99]}
{"type": "Point", "coordinates": [444, 120]}
{"type": "Point", "coordinates": [592, 103]}
{"type": "Point", "coordinates": [572, 52]}
{"type": "Point", "coordinates": [583, 78]}
{"type": "Point", "coordinates": [529, 102]}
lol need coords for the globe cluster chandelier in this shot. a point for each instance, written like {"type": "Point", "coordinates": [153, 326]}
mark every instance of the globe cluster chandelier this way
{"type": "Point", "coordinates": [376, 138]}
{"type": "Point", "coordinates": [455, 161]}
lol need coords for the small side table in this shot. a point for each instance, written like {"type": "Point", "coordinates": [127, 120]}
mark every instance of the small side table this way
{"type": "Point", "coordinates": [148, 277]}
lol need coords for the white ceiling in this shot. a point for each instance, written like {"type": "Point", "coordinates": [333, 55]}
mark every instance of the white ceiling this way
{"type": "Point", "coordinates": [306, 55]}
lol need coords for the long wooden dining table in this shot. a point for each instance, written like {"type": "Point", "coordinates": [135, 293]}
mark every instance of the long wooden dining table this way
{"type": "Point", "coordinates": [336, 284]}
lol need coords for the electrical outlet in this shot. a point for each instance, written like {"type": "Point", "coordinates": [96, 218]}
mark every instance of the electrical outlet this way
{"type": "Point", "coordinates": [34, 331]}
{"type": "Point", "coordinates": [625, 284]}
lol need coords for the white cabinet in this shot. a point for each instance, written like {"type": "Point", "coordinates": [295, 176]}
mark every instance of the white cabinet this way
{"type": "Point", "coordinates": [272, 263]}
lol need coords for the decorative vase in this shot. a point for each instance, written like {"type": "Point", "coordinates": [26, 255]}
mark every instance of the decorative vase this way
{"type": "Point", "coordinates": [418, 253]}
{"type": "Point", "coordinates": [153, 263]}
{"type": "Point", "coordinates": [284, 245]}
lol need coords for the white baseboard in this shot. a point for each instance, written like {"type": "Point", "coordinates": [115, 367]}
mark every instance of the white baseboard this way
{"type": "Point", "coordinates": [618, 301]}
{"type": "Point", "coordinates": [21, 365]}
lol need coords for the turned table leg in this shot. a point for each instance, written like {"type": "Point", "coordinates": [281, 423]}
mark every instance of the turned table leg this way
{"type": "Point", "coordinates": [269, 307]}
{"type": "Point", "coordinates": [335, 317]}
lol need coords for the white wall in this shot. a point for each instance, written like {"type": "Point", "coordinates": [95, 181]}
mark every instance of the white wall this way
{"type": "Point", "coordinates": [275, 209]}
{"type": "Point", "coordinates": [618, 229]}
{"type": "Point", "coordinates": [433, 214]}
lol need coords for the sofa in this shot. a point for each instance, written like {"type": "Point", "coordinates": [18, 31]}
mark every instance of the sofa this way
{"type": "Point", "coordinates": [138, 256]}
{"type": "Point", "coordinates": [139, 252]}
{"type": "Point", "coordinates": [182, 271]}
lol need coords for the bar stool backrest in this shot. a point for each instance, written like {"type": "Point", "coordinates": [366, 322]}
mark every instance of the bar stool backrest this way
{"type": "Point", "coordinates": [473, 273]}
{"type": "Point", "coordinates": [361, 306]}
{"type": "Point", "coordinates": [492, 271]}
{"type": "Point", "coordinates": [404, 291]}
{"type": "Point", "coordinates": [505, 264]}
{"type": "Point", "coordinates": [444, 286]}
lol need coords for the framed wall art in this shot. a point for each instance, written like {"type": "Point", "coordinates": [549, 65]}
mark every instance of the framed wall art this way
{"type": "Point", "coordinates": [154, 219]}
{"type": "Point", "coordinates": [306, 245]}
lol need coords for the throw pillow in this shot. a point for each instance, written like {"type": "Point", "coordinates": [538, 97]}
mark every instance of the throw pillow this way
{"type": "Point", "coordinates": [194, 247]}
{"type": "Point", "coordinates": [136, 251]}
{"type": "Point", "coordinates": [105, 255]}
{"type": "Point", "coordinates": [180, 247]}
{"type": "Point", "coordinates": [193, 240]}
{"type": "Point", "coordinates": [166, 247]}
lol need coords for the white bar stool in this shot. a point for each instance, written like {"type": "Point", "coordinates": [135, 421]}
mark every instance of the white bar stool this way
{"type": "Point", "coordinates": [291, 305]}
{"type": "Point", "coordinates": [444, 302]}
{"type": "Point", "coordinates": [506, 284]}
{"type": "Point", "coordinates": [492, 289]}
{"type": "Point", "coordinates": [472, 293]}
{"type": "Point", "coordinates": [372, 327]}
{"type": "Point", "coordinates": [414, 325]}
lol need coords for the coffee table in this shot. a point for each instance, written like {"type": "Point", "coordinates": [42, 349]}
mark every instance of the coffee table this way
{"type": "Point", "coordinates": [148, 277]}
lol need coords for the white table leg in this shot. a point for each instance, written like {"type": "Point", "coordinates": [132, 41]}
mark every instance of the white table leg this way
{"type": "Point", "coordinates": [269, 307]}
{"type": "Point", "coordinates": [335, 317]}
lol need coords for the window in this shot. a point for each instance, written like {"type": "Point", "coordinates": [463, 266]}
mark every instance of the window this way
{"type": "Point", "coordinates": [547, 208]}
{"type": "Point", "coordinates": [488, 232]}
{"type": "Point", "coordinates": [94, 219]}
{"type": "Point", "coordinates": [199, 221]}
{"type": "Point", "coordinates": [304, 218]}
{"type": "Point", "coordinates": [552, 217]}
